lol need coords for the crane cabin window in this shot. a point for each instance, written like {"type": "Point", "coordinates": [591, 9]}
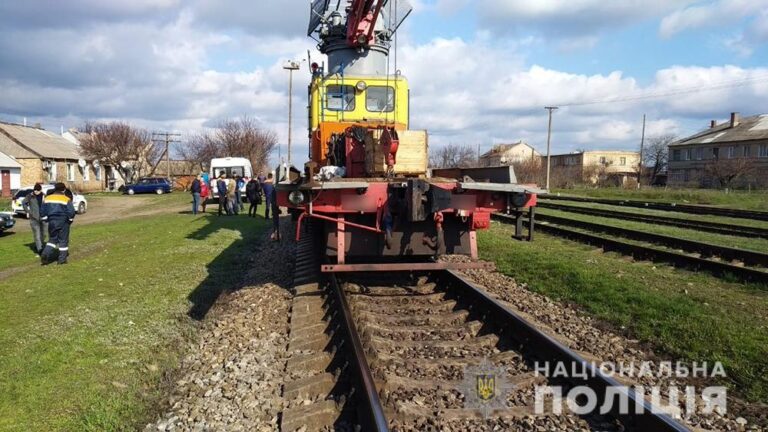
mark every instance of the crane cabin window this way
{"type": "Point", "coordinates": [380, 99]}
{"type": "Point", "coordinates": [340, 98]}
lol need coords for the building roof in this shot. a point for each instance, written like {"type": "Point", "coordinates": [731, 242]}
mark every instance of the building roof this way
{"type": "Point", "coordinates": [502, 148]}
{"type": "Point", "coordinates": [749, 128]}
{"type": "Point", "coordinates": [8, 162]}
{"type": "Point", "coordinates": [25, 142]}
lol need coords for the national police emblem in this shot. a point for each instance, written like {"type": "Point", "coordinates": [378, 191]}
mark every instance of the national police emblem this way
{"type": "Point", "coordinates": [485, 387]}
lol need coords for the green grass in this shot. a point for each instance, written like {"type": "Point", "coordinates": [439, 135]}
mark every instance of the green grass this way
{"type": "Point", "coordinates": [85, 346]}
{"type": "Point", "coordinates": [755, 244]}
{"type": "Point", "coordinates": [684, 315]}
{"type": "Point", "coordinates": [754, 200]}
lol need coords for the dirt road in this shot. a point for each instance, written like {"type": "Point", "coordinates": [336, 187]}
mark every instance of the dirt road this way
{"type": "Point", "coordinates": [108, 208]}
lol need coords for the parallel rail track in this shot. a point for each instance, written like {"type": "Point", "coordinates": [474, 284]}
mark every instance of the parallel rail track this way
{"type": "Point", "coordinates": [562, 227]}
{"type": "Point", "coordinates": [393, 348]}
{"type": "Point", "coordinates": [682, 208]}
{"type": "Point", "coordinates": [713, 227]}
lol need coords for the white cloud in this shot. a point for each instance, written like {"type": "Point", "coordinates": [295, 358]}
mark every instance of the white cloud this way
{"type": "Point", "coordinates": [713, 13]}
{"type": "Point", "coordinates": [571, 17]}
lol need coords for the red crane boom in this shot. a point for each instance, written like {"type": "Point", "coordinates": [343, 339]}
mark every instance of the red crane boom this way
{"type": "Point", "coordinates": [361, 21]}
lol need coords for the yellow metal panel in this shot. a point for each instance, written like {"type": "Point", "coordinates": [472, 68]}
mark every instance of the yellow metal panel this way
{"type": "Point", "coordinates": [321, 114]}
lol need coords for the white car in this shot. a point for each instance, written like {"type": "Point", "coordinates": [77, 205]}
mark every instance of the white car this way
{"type": "Point", "coordinates": [79, 201]}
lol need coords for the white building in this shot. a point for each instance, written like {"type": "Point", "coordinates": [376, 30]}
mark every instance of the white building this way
{"type": "Point", "coordinates": [508, 154]}
{"type": "Point", "coordinates": [10, 175]}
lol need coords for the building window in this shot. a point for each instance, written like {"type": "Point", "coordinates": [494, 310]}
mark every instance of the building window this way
{"type": "Point", "coordinates": [603, 161]}
{"type": "Point", "coordinates": [340, 98]}
{"type": "Point", "coordinates": [97, 173]}
{"type": "Point", "coordinates": [715, 153]}
{"type": "Point", "coordinates": [731, 152]}
{"type": "Point", "coordinates": [70, 172]}
{"type": "Point", "coordinates": [698, 153]}
{"type": "Point", "coordinates": [623, 161]}
{"type": "Point", "coordinates": [380, 99]}
{"type": "Point", "coordinates": [746, 152]}
{"type": "Point", "coordinates": [687, 154]}
{"type": "Point", "coordinates": [52, 172]}
{"type": "Point", "coordinates": [677, 155]}
{"type": "Point", "coordinates": [763, 151]}
{"type": "Point", "coordinates": [87, 173]}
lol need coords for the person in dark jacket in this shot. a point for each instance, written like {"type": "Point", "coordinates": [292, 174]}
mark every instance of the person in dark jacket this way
{"type": "Point", "coordinates": [33, 206]}
{"type": "Point", "coordinates": [59, 212]}
{"type": "Point", "coordinates": [196, 188]}
{"type": "Point", "coordinates": [268, 187]}
{"type": "Point", "coordinates": [221, 189]}
{"type": "Point", "coordinates": [270, 201]}
{"type": "Point", "coordinates": [253, 193]}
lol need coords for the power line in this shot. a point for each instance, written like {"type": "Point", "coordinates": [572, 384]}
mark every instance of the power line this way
{"type": "Point", "coordinates": [682, 91]}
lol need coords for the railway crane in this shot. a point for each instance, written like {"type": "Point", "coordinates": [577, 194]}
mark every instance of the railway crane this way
{"type": "Point", "coordinates": [367, 180]}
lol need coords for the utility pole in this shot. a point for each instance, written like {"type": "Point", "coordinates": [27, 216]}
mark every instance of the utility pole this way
{"type": "Point", "coordinates": [549, 141]}
{"type": "Point", "coordinates": [290, 66]}
{"type": "Point", "coordinates": [166, 138]}
{"type": "Point", "coordinates": [642, 148]}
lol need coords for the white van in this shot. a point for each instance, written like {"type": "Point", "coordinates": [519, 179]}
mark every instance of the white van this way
{"type": "Point", "coordinates": [232, 166]}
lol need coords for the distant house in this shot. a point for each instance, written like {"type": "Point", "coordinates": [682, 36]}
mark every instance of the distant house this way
{"type": "Point", "coordinates": [508, 154]}
{"type": "Point", "coordinates": [46, 157]}
{"type": "Point", "coordinates": [608, 167]}
{"type": "Point", "coordinates": [111, 179]}
{"type": "Point", "coordinates": [735, 152]}
{"type": "Point", "coordinates": [10, 175]}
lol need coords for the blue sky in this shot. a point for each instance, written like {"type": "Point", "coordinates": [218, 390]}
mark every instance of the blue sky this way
{"type": "Point", "coordinates": [481, 71]}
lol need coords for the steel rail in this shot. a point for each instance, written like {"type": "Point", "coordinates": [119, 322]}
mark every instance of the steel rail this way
{"type": "Point", "coordinates": [683, 208]}
{"type": "Point", "coordinates": [372, 409]}
{"type": "Point", "coordinates": [717, 268]}
{"type": "Point", "coordinates": [714, 227]}
{"type": "Point", "coordinates": [549, 349]}
{"type": "Point", "coordinates": [748, 257]}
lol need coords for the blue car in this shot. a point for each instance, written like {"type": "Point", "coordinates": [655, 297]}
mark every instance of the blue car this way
{"type": "Point", "coordinates": [155, 185]}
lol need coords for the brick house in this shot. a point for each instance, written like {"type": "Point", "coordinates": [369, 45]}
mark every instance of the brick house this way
{"type": "Point", "coordinates": [112, 180]}
{"type": "Point", "coordinates": [46, 157]}
{"type": "Point", "coordinates": [10, 175]}
{"type": "Point", "coordinates": [607, 167]}
{"type": "Point", "coordinates": [737, 148]}
{"type": "Point", "coordinates": [508, 154]}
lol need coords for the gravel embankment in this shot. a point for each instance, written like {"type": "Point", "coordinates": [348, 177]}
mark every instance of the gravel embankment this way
{"type": "Point", "coordinates": [586, 335]}
{"type": "Point", "coordinates": [232, 377]}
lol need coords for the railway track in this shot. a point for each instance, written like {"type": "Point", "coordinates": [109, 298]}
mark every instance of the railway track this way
{"type": "Point", "coordinates": [713, 227]}
{"type": "Point", "coordinates": [682, 208]}
{"type": "Point", "coordinates": [396, 351]}
{"type": "Point", "coordinates": [702, 256]}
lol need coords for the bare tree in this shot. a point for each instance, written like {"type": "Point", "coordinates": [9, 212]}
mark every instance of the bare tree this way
{"type": "Point", "coordinates": [727, 171]}
{"type": "Point", "coordinates": [656, 156]}
{"type": "Point", "coordinates": [528, 171]}
{"type": "Point", "coordinates": [240, 138]}
{"type": "Point", "coordinates": [128, 149]}
{"type": "Point", "coordinates": [453, 156]}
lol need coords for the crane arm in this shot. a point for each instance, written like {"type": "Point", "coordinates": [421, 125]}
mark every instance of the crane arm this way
{"type": "Point", "coordinates": [361, 21]}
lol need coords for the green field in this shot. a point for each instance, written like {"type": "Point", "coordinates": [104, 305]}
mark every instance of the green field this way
{"type": "Point", "coordinates": [85, 346]}
{"type": "Point", "coordinates": [684, 315]}
{"type": "Point", "coordinates": [754, 200]}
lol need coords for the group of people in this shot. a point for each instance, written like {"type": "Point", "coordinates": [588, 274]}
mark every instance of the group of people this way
{"type": "Point", "coordinates": [230, 199]}
{"type": "Point", "coordinates": [52, 214]}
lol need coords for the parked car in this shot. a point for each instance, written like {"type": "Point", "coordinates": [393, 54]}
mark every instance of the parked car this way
{"type": "Point", "coordinates": [156, 185]}
{"type": "Point", "coordinates": [78, 200]}
{"type": "Point", "coordinates": [6, 221]}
